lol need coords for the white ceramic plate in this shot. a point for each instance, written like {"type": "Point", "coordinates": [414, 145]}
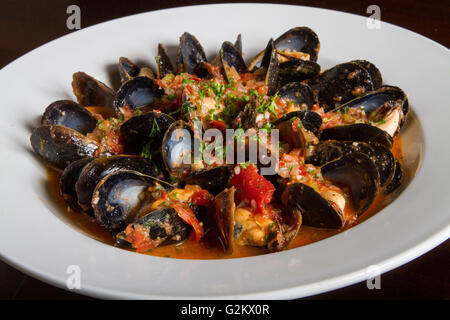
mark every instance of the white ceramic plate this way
{"type": "Point", "coordinates": [35, 238]}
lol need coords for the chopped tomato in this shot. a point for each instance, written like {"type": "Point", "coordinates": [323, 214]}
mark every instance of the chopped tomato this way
{"type": "Point", "coordinates": [202, 198]}
{"type": "Point", "coordinates": [139, 238]}
{"type": "Point", "coordinates": [188, 216]}
{"type": "Point", "coordinates": [222, 126]}
{"type": "Point", "coordinates": [252, 186]}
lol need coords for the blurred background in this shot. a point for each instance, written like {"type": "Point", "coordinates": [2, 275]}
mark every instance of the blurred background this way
{"type": "Point", "coordinates": [27, 24]}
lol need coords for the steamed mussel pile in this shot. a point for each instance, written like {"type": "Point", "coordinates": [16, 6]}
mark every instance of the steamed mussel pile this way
{"type": "Point", "coordinates": [119, 151]}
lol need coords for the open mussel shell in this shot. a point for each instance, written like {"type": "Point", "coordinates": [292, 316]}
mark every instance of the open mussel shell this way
{"type": "Point", "coordinates": [375, 74]}
{"type": "Point", "coordinates": [60, 146]}
{"type": "Point", "coordinates": [327, 151]}
{"type": "Point", "coordinates": [300, 94]}
{"type": "Point", "coordinates": [297, 70]}
{"type": "Point", "coordinates": [163, 63]}
{"type": "Point", "coordinates": [276, 236]}
{"type": "Point", "coordinates": [94, 171]}
{"type": "Point", "coordinates": [246, 119]}
{"type": "Point", "coordinates": [388, 105]}
{"type": "Point", "coordinates": [357, 172]}
{"type": "Point", "coordinates": [238, 43]}
{"type": "Point", "coordinates": [310, 120]}
{"type": "Point", "coordinates": [146, 128]}
{"type": "Point", "coordinates": [127, 69]}
{"type": "Point", "coordinates": [316, 211]}
{"type": "Point", "coordinates": [163, 227]}
{"type": "Point", "coordinates": [341, 84]}
{"type": "Point", "coordinates": [137, 93]}
{"type": "Point", "coordinates": [232, 62]}
{"type": "Point", "coordinates": [299, 39]}
{"type": "Point", "coordinates": [69, 114]}
{"type": "Point", "coordinates": [91, 92]}
{"type": "Point", "coordinates": [190, 53]}
{"type": "Point", "coordinates": [117, 198]}
{"type": "Point", "coordinates": [357, 132]}
{"type": "Point", "coordinates": [295, 40]}
{"type": "Point", "coordinates": [67, 182]}
{"type": "Point", "coordinates": [203, 70]}
{"type": "Point", "coordinates": [270, 63]}
{"type": "Point", "coordinates": [178, 149]}
{"type": "Point", "coordinates": [214, 180]}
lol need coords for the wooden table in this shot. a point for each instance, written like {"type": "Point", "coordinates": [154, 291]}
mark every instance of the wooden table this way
{"type": "Point", "coordinates": [25, 25]}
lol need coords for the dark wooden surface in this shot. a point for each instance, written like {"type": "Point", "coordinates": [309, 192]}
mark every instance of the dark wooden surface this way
{"type": "Point", "coordinates": [25, 25]}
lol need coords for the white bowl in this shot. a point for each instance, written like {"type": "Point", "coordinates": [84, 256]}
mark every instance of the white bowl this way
{"type": "Point", "coordinates": [37, 239]}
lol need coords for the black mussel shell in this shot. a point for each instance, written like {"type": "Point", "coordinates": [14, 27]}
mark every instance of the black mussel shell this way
{"type": "Point", "coordinates": [373, 102]}
{"type": "Point", "coordinates": [117, 198]}
{"type": "Point", "coordinates": [190, 53]}
{"type": "Point", "coordinates": [246, 119]}
{"type": "Point", "coordinates": [214, 180]}
{"type": "Point", "coordinates": [311, 120]}
{"type": "Point", "coordinates": [299, 39]}
{"type": "Point", "coordinates": [69, 114]}
{"type": "Point", "coordinates": [164, 226]}
{"type": "Point", "coordinates": [232, 61]}
{"type": "Point", "coordinates": [100, 167]}
{"type": "Point", "coordinates": [299, 93]}
{"type": "Point", "coordinates": [290, 132]}
{"type": "Point", "coordinates": [238, 43]}
{"type": "Point", "coordinates": [327, 151]}
{"type": "Point", "coordinates": [385, 162]}
{"type": "Point", "coordinates": [69, 177]}
{"type": "Point", "coordinates": [357, 172]}
{"type": "Point", "coordinates": [297, 70]}
{"type": "Point", "coordinates": [341, 84]}
{"type": "Point", "coordinates": [270, 63]}
{"type": "Point", "coordinates": [224, 216]}
{"type": "Point", "coordinates": [59, 145]}
{"type": "Point", "coordinates": [396, 180]}
{"type": "Point", "coordinates": [178, 149]}
{"type": "Point", "coordinates": [127, 69]}
{"type": "Point", "coordinates": [148, 128]}
{"type": "Point", "coordinates": [91, 92]}
{"type": "Point", "coordinates": [315, 210]}
{"type": "Point", "coordinates": [137, 93]}
{"type": "Point", "coordinates": [375, 74]}
{"type": "Point", "coordinates": [203, 70]}
{"type": "Point", "coordinates": [357, 132]}
{"type": "Point", "coordinates": [164, 65]}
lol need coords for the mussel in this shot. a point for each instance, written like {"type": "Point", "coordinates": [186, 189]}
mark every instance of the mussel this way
{"type": "Point", "coordinates": [60, 146]}
{"type": "Point", "coordinates": [385, 107]}
{"type": "Point", "coordinates": [213, 180]}
{"type": "Point", "coordinates": [357, 132]}
{"type": "Point", "coordinates": [357, 172]}
{"type": "Point", "coordinates": [118, 197]}
{"type": "Point", "coordinates": [340, 84]}
{"type": "Point", "coordinates": [316, 210]}
{"type": "Point", "coordinates": [300, 94]}
{"type": "Point", "coordinates": [239, 226]}
{"type": "Point", "coordinates": [164, 65]}
{"type": "Point", "coordinates": [157, 228]}
{"type": "Point", "coordinates": [136, 93]}
{"type": "Point", "coordinates": [297, 70]}
{"type": "Point", "coordinates": [69, 114]}
{"type": "Point", "coordinates": [94, 171]}
{"type": "Point", "coordinates": [127, 69]}
{"type": "Point", "coordinates": [68, 180]}
{"type": "Point", "coordinates": [91, 92]}
{"type": "Point", "coordinates": [232, 62]}
{"type": "Point", "coordinates": [148, 128]}
{"type": "Point", "coordinates": [270, 64]}
{"type": "Point", "coordinates": [190, 53]}
{"type": "Point", "coordinates": [327, 151]}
